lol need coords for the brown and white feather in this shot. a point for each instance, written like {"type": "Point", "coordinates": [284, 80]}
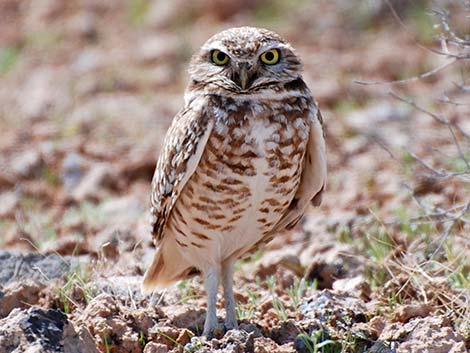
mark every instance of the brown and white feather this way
{"type": "Point", "coordinates": [237, 165]}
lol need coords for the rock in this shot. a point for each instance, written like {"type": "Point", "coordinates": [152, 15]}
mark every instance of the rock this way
{"type": "Point", "coordinates": [376, 114]}
{"type": "Point", "coordinates": [425, 335]}
{"type": "Point", "coordinates": [251, 328]}
{"type": "Point", "coordinates": [153, 347]}
{"type": "Point", "coordinates": [381, 347]}
{"type": "Point", "coordinates": [88, 60]}
{"type": "Point", "coordinates": [122, 210]}
{"type": "Point", "coordinates": [44, 92]}
{"type": "Point", "coordinates": [127, 287]}
{"type": "Point", "coordinates": [72, 170]}
{"type": "Point", "coordinates": [114, 324]}
{"type": "Point", "coordinates": [183, 316]}
{"type": "Point", "coordinates": [140, 162]}
{"type": "Point", "coordinates": [72, 245]}
{"type": "Point", "coordinates": [83, 25]}
{"type": "Point", "coordinates": [234, 341]}
{"type": "Point", "coordinates": [36, 267]}
{"type": "Point", "coordinates": [356, 286]}
{"type": "Point", "coordinates": [92, 186]}
{"type": "Point", "coordinates": [16, 238]}
{"type": "Point", "coordinates": [407, 312]}
{"type": "Point", "coordinates": [330, 308]}
{"type": "Point", "coordinates": [38, 330]}
{"type": "Point", "coordinates": [19, 295]}
{"type": "Point", "coordinates": [377, 325]}
{"type": "Point", "coordinates": [164, 335]}
{"type": "Point", "coordinates": [273, 260]}
{"type": "Point", "coordinates": [155, 48]}
{"type": "Point", "coordinates": [26, 164]}
{"type": "Point", "coordinates": [8, 202]}
{"type": "Point", "coordinates": [7, 180]}
{"type": "Point", "coordinates": [267, 345]}
{"type": "Point", "coordinates": [109, 250]}
{"type": "Point", "coordinates": [325, 274]}
{"type": "Point", "coordinates": [285, 332]}
{"type": "Point", "coordinates": [109, 326]}
{"type": "Point", "coordinates": [327, 262]}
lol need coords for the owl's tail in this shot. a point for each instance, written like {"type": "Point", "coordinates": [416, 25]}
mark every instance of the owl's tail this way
{"type": "Point", "coordinates": [168, 266]}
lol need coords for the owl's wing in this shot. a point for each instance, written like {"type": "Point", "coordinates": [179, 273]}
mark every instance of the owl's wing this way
{"type": "Point", "coordinates": [313, 179]}
{"type": "Point", "coordinates": [182, 150]}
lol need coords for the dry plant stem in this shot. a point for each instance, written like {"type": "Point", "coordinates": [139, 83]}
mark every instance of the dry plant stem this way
{"type": "Point", "coordinates": [411, 79]}
{"type": "Point", "coordinates": [453, 220]}
{"type": "Point", "coordinates": [442, 121]}
{"type": "Point", "coordinates": [441, 174]}
{"type": "Point", "coordinates": [453, 37]}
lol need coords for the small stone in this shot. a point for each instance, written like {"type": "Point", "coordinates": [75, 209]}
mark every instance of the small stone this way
{"type": "Point", "coordinates": [38, 330]}
{"type": "Point", "coordinates": [92, 184]}
{"type": "Point", "coordinates": [8, 202]}
{"type": "Point", "coordinates": [157, 48]}
{"type": "Point", "coordinates": [19, 295]}
{"type": "Point", "coordinates": [285, 332]}
{"type": "Point", "coordinates": [26, 164]}
{"type": "Point", "coordinates": [123, 210]}
{"type": "Point", "coordinates": [110, 250]}
{"type": "Point", "coordinates": [83, 25]}
{"type": "Point", "coordinates": [325, 274]}
{"type": "Point", "coordinates": [44, 91]}
{"type": "Point", "coordinates": [377, 325]}
{"type": "Point", "coordinates": [356, 285]}
{"type": "Point", "coordinates": [165, 335]}
{"type": "Point", "coordinates": [433, 334]}
{"type": "Point", "coordinates": [72, 170]}
{"type": "Point", "coordinates": [186, 317]}
{"type": "Point", "coordinates": [153, 347]}
{"type": "Point", "coordinates": [406, 312]}
{"type": "Point", "coordinates": [273, 260]}
{"type": "Point", "coordinates": [265, 345]}
{"type": "Point", "coordinates": [88, 60]}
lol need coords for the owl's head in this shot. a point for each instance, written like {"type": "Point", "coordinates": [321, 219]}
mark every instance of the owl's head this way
{"type": "Point", "coordinates": [244, 60]}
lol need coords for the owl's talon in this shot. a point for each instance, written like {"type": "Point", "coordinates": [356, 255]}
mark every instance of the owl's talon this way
{"type": "Point", "coordinates": [214, 332]}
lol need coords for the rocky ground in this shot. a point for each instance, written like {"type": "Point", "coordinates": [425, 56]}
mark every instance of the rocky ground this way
{"type": "Point", "coordinates": [87, 91]}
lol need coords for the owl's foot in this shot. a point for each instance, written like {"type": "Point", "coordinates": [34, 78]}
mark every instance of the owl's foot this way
{"type": "Point", "coordinates": [216, 331]}
{"type": "Point", "coordinates": [231, 322]}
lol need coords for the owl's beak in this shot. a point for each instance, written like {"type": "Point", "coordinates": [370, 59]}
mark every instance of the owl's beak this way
{"type": "Point", "coordinates": [243, 75]}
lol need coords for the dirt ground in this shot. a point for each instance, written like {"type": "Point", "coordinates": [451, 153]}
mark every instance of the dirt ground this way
{"type": "Point", "coordinates": [87, 91]}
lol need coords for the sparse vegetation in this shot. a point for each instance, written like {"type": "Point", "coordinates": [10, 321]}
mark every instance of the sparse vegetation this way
{"type": "Point", "coordinates": [88, 91]}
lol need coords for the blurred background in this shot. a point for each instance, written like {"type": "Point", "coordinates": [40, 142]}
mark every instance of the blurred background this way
{"type": "Point", "coordinates": [88, 89]}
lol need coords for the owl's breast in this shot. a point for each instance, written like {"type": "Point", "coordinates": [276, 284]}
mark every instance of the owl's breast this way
{"type": "Point", "coordinates": [246, 178]}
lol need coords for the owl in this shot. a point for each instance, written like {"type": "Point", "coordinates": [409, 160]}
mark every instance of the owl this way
{"type": "Point", "coordinates": [240, 163]}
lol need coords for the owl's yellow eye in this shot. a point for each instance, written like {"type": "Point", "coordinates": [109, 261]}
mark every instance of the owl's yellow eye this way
{"type": "Point", "coordinates": [270, 57]}
{"type": "Point", "coordinates": [219, 58]}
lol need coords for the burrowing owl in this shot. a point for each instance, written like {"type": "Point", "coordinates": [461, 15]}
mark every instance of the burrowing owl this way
{"type": "Point", "coordinates": [240, 162]}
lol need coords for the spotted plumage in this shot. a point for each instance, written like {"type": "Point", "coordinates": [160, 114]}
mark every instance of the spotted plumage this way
{"type": "Point", "coordinates": [240, 162]}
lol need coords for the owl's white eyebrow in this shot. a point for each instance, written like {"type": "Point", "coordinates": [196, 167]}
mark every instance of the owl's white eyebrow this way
{"type": "Point", "coordinates": [264, 48]}
{"type": "Point", "coordinates": [215, 45]}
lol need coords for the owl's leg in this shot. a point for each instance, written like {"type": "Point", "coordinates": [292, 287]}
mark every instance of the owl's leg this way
{"type": "Point", "coordinates": [227, 281]}
{"type": "Point", "coordinates": [212, 284]}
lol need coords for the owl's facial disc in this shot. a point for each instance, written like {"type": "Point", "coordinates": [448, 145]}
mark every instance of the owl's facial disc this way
{"type": "Point", "coordinates": [243, 61]}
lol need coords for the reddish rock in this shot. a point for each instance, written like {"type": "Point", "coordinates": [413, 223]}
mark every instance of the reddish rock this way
{"type": "Point", "coordinates": [433, 334]}
{"type": "Point", "coordinates": [406, 312]}
{"type": "Point", "coordinates": [186, 317]}
{"type": "Point", "coordinates": [19, 295]}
